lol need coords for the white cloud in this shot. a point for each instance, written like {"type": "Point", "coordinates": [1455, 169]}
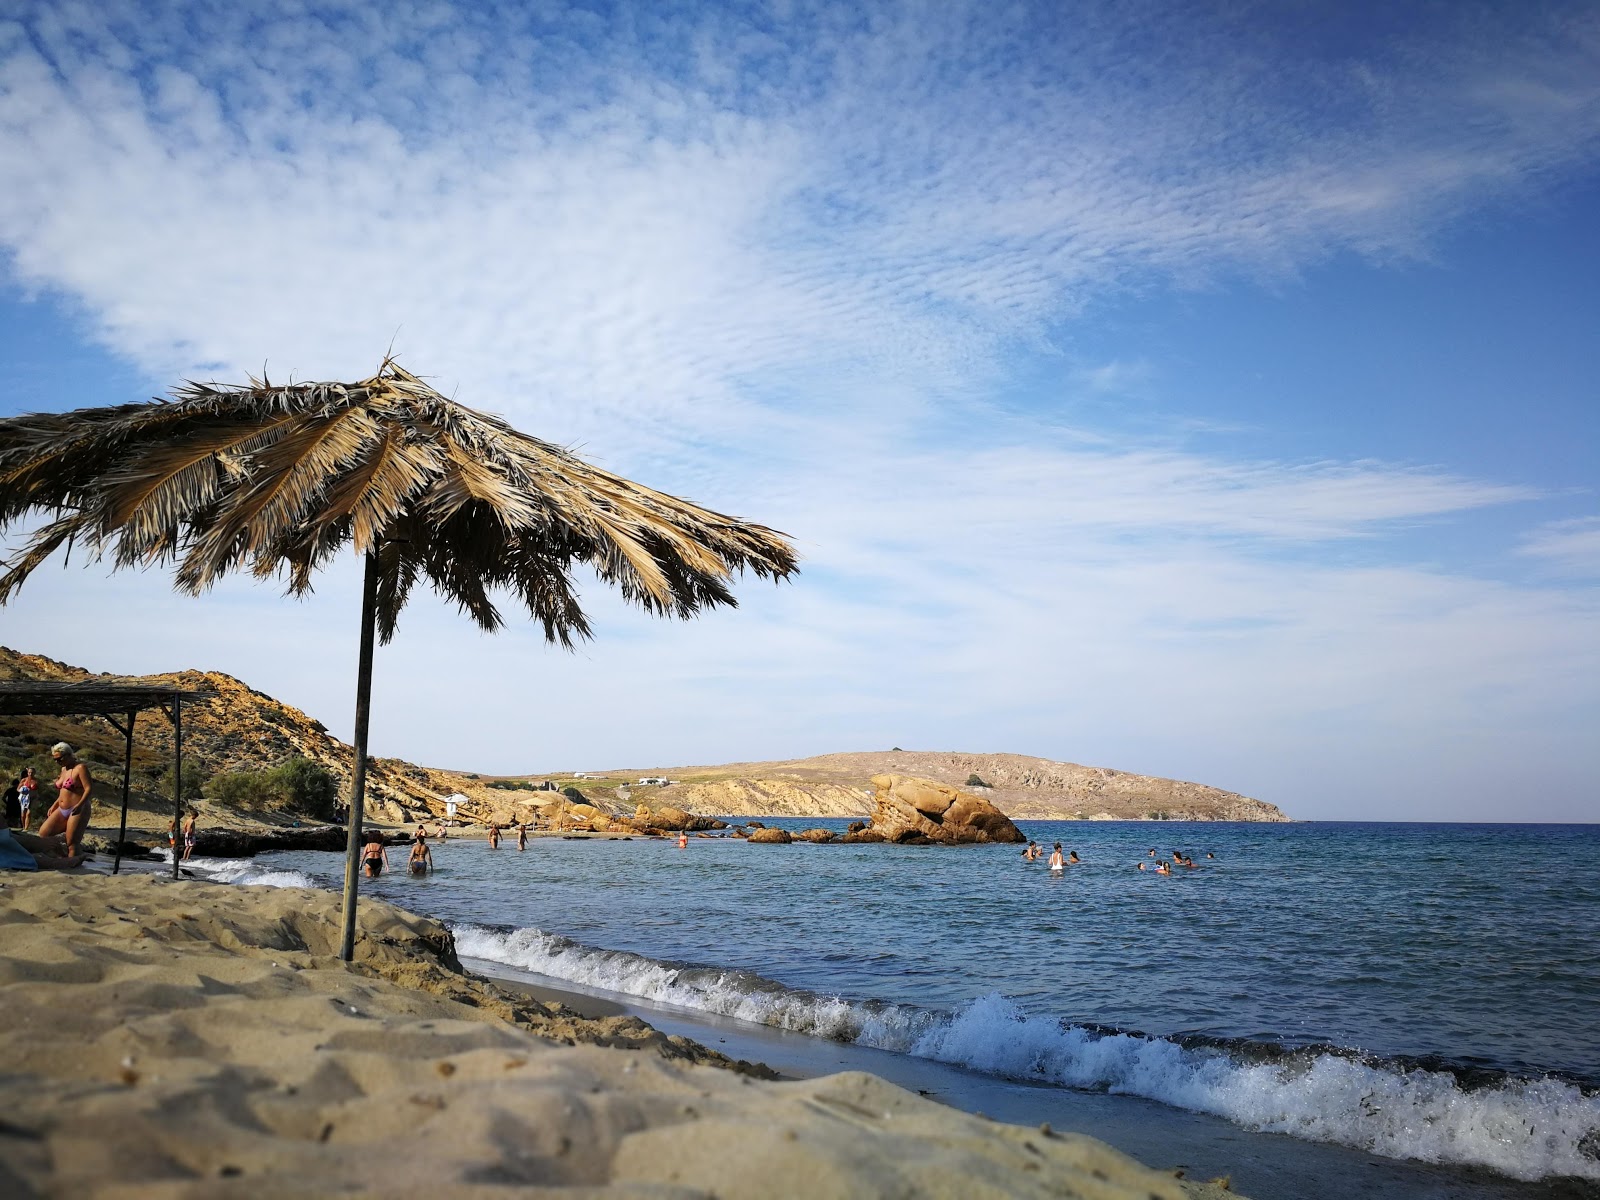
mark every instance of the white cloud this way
{"type": "Point", "coordinates": [1570, 547]}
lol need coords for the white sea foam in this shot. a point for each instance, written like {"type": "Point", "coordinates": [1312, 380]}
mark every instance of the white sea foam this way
{"type": "Point", "coordinates": [248, 872]}
{"type": "Point", "coordinates": [1528, 1129]}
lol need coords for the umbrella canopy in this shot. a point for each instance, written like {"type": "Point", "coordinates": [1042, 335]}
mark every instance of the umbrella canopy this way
{"type": "Point", "coordinates": [278, 479]}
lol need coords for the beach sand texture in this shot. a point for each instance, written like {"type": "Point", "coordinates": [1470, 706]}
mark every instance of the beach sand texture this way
{"type": "Point", "coordinates": [192, 1039]}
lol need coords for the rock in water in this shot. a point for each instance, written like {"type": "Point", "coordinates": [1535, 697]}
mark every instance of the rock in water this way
{"type": "Point", "coordinates": [908, 809]}
{"type": "Point", "coordinates": [778, 837]}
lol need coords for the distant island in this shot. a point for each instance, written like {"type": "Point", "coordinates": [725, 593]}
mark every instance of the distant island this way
{"type": "Point", "coordinates": [242, 730]}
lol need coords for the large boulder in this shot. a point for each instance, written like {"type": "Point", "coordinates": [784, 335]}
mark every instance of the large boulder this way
{"type": "Point", "coordinates": [908, 809]}
{"type": "Point", "coordinates": [774, 836]}
{"type": "Point", "coordinates": [816, 835]}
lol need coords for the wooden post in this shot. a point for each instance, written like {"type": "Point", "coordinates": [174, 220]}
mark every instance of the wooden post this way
{"type": "Point", "coordinates": [127, 782]}
{"type": "Point", "coordinates": [358, 779]}
{"type": "Point", "coordinates": [177, 778]}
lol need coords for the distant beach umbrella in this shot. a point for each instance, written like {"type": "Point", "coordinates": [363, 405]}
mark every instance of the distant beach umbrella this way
{"type": "Point", "coordinates": [281, 478]}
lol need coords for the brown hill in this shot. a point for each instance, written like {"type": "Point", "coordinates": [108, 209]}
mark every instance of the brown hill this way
{"type": "Point", "coordinates": [237, 728]}
{"type": "Point", "coordinates": [1021, 787]}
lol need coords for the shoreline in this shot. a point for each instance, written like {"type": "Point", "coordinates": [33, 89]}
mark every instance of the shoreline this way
{"type": "Point", "coordinates": [174, 1035]}
{"type": "Point", "coordinates": [1261, 1165]}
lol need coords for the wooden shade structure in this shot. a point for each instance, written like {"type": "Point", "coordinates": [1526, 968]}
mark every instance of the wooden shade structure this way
{"type": "Point", "coordinates": [119, 704]}
{"type": "Point", "coordinates": [278, 479]}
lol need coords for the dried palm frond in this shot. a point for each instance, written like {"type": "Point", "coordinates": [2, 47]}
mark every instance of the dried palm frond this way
{"type": "Point", "coordinates": [280, 478]}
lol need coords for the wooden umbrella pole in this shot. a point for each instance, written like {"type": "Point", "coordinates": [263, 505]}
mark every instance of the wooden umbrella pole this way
{"type": "Point", "coordinates": [127, 782]}
{"type": "Point", "coordinates": [358, 779]}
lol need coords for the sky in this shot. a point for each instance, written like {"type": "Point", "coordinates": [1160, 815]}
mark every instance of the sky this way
{"type": "Point", "coordinates": [1200, 390]}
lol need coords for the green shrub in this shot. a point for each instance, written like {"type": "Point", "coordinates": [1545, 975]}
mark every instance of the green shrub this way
{"type": "Point", "coordinates": [191, 784]}
{"type": "Point", "coordinates": [573, 794]}
{"type": "Point", "coordinates": [974, 781]}
{"type": "Point", "coordinates": [295, 785]}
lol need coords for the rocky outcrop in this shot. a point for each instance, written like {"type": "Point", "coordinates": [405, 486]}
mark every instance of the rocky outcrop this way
{"type": "Point", "coordinates": [816, 835]}
{"type": "Point", "coordinates": [240, 843]}
{"type": "Point", "coordinates": [777, 837]}
{"type": "Point", "coordinates": [912, 811]}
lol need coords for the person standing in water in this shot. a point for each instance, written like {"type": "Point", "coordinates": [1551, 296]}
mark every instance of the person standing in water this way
{"type": "Point", "coordinates": [190, 820]}
{"type": "Point", "coordinates": [373, 855]}
{"type": "Point", "coordinates": [421, 857]}
{"type": "Point", "coordinates": [1057, 863]}
{"type": "Point", "coordinates": [683, 840]}
{"type": "Point", "coordinates": [494, 836]}
{"type": "Point", "coordinates": [522, 837]}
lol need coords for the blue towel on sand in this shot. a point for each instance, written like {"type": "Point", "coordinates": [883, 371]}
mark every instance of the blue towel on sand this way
{"type": "Point", "coordinates": [12, 856]}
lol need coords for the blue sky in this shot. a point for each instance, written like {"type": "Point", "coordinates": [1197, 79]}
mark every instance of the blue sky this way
{"type": "Point", "coordinates": [1204, 391]}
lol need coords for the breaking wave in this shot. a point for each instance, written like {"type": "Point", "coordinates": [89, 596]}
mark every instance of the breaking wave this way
{"type": "Point", "coordinates": [1525, 1128]}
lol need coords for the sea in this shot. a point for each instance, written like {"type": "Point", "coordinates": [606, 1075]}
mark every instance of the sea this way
{"type": "Point", "coordinates": [1417, 991]}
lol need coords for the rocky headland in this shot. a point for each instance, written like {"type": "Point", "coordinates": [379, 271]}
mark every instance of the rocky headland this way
{"type": "Point", "coordinates": [1023, 788]}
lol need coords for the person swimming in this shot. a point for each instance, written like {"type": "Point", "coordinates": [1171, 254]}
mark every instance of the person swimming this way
{"type": "Point", "coordinates": [1162, 868]}
{"type": "Point", "coordinates": [1031, 854]}
{"type": "Point", "coordinates": [1073, 858]}
{"type": "Point", "coordinates": [1141, 864]}
{"type": "Point", "coordinates": [1057, 863]}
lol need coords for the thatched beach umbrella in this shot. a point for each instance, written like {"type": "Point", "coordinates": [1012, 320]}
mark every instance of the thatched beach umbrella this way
{"type": "Point", "coordinates": [281, 478]}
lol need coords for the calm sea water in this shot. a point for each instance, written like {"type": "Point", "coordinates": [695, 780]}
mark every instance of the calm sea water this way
{"type": "Point", "coordinates": [1424, 991]}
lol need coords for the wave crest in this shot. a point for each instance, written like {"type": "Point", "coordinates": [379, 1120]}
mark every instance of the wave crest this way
{"type": "Point", "coordinates": [1525, 1128]}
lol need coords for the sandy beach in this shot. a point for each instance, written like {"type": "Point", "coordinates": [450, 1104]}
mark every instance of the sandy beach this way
{"type": "Point", "coordinates": [193, 1039]}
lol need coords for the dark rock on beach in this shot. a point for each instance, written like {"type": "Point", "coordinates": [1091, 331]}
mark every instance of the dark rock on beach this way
{"type": "Point", "coordinates": [239, 843]}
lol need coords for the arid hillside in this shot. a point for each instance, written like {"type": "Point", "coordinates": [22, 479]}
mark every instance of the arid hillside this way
{"type": "Point", "coordinates": [239, 728]}
{"type": "Point", "coordinates": [1023, 788]}
{"type": "Point", "coordinates": [236, 728]}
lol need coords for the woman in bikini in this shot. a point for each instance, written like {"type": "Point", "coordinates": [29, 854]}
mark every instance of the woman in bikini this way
{"type": "Point", "coordinates": [69, 815]}
{"type": "Point", "coordinates": [494, 836]}
{"type": "Point", "coordinates": [373, 855]}
{"type": "Point", "coordinates": [421, 857]}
